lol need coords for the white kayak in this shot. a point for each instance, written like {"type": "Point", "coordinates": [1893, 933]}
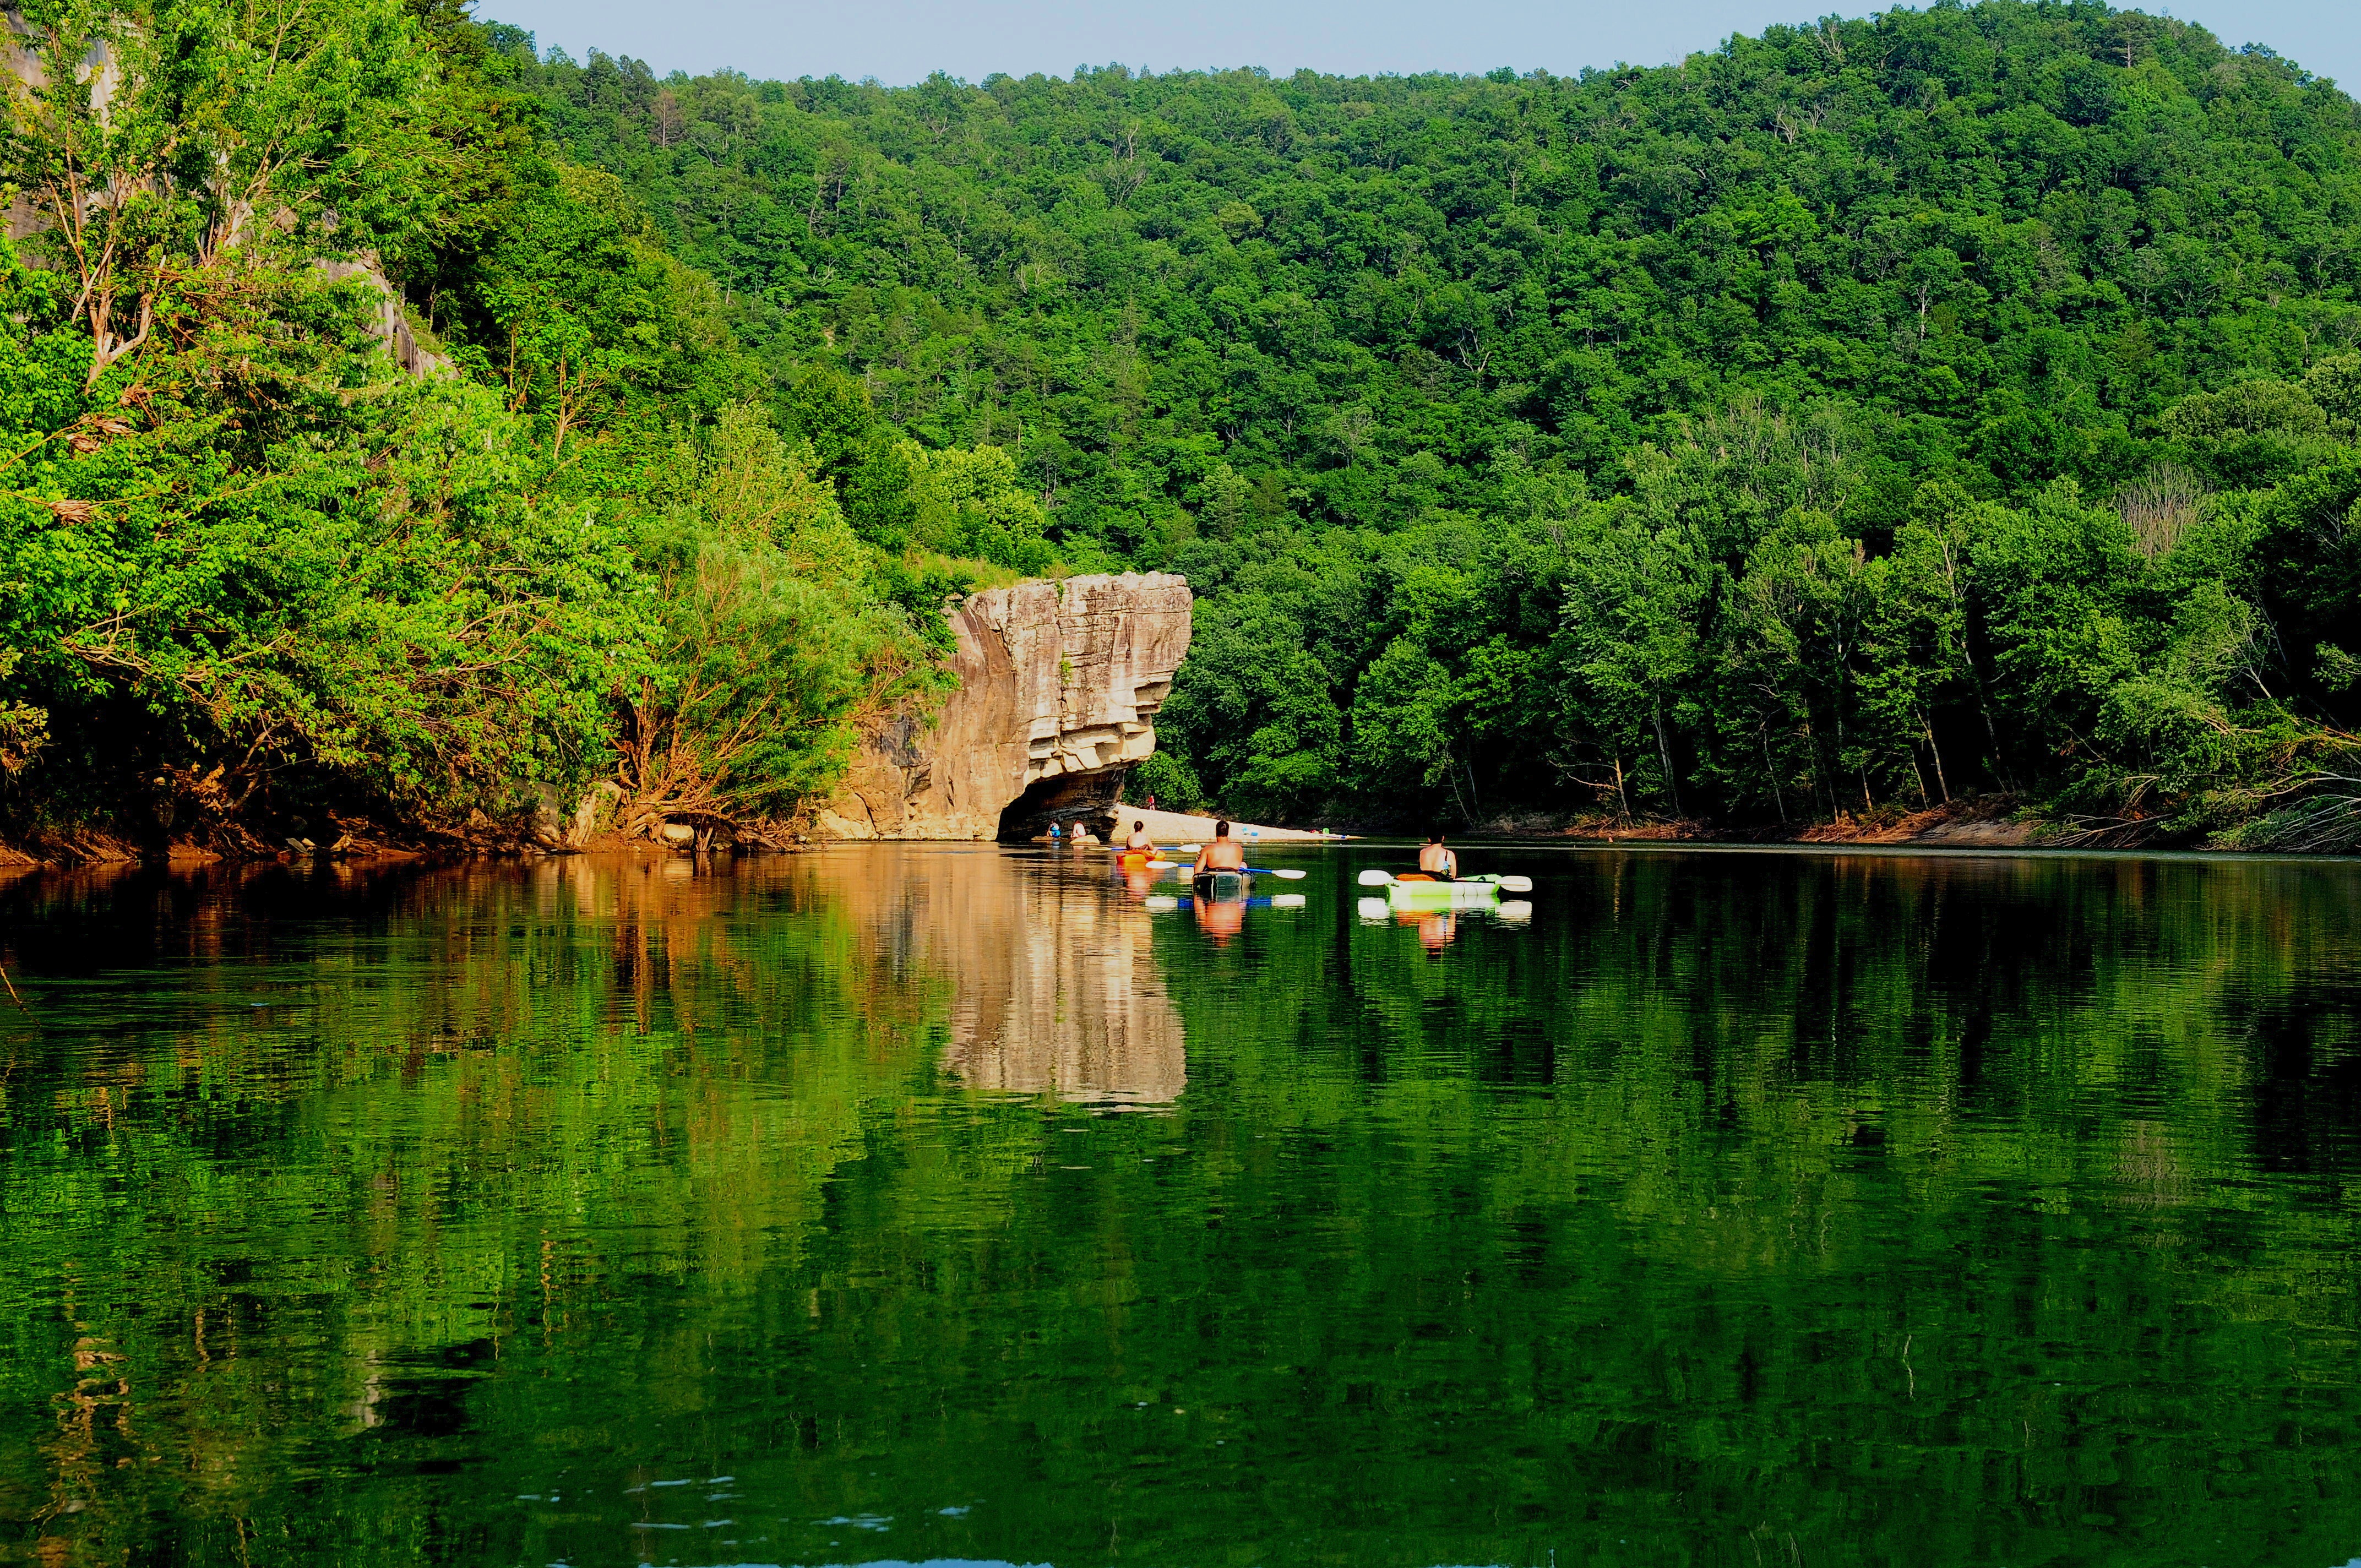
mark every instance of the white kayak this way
{"type": "Point", "coordinates": [1416, 890]}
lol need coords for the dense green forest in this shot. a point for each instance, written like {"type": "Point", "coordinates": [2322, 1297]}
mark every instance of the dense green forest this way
{"type": "Point", "coordinates": [255, 577]}
{"type": "Point", "coordinates": [1865, 414]}
{"type": "Point", "coordinates": [1861, 414]}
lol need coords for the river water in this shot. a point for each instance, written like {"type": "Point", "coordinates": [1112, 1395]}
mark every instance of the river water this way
{"type": "Point", "coordinates": [903, 1203]}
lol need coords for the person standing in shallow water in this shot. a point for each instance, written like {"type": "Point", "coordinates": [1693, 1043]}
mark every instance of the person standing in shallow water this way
{"type": "Point", "coordinates": [1436, 861]}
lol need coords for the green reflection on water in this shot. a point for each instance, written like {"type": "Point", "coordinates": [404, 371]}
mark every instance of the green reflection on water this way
{"type": "Point", "coordinates": [900, 1202]}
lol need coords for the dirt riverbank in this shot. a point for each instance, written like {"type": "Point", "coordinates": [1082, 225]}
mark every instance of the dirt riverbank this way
{"type": "Point", "coordinates": [1990, 821]}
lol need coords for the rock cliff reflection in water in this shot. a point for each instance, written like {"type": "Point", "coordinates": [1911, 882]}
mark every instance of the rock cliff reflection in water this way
{"type": "Point", "coordinates": [1055, 984]}
{"type": "Point", "coordinates": [900, 1203]}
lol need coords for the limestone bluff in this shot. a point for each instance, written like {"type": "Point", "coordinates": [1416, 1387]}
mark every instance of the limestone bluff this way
{"type": "Point", "coordinates": [1059, 683]}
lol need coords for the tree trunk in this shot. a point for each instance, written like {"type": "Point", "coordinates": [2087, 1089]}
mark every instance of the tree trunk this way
{"type": "Point", "coordinates": [1451, 775]}
{"type": "Point", "coordinates": [1991, 732]}
{"type": "Point", "coordinates": [1812, 744]}
{"type": "Point", "coordinates": [1665, 750]}
{"type": "Point", "coordinates": [1771, 773]}
{"type": "Point", "coordinates": [1936, 752]}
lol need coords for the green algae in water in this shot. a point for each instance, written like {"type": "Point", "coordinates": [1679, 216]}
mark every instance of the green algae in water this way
{"type": "Point", "coordinates": [909, 1204]}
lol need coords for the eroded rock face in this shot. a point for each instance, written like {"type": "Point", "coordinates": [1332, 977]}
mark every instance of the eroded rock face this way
{"type": "Point", "coordinates": [1059, 683]}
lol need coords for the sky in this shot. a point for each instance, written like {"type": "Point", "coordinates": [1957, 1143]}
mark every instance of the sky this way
{"type": "Point", "coordinates": [899, 41]}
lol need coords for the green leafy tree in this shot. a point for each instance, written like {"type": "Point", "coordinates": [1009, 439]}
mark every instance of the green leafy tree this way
{"type": "Point", "coordinates": [257, 577]}
{"type": "Point", "coordinates": [161, 147]}
{"type": "Point", "coordinates": [1636, 601]}
{"type": "Point", "coordinates": [772, 648]}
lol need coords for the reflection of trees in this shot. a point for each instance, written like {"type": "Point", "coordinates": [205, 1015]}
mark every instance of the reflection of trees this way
{"type": "Point", "coordinates": [1908, 1205]}
{"type": "Point", "coordinates": [506, 1097]}
{"type": "Point", "coordinates": [1741, 1134]}
{"type": "Point", "coordinates": [476, 1103]}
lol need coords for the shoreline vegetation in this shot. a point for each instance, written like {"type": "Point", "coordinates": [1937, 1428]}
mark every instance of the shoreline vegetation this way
{"type": "Point", "coordinates": [1986, 822]}
{"type": "Point", "coordinates": [411, 435]}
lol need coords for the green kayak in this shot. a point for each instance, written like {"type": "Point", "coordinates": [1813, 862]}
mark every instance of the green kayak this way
{"type": "Point", "coordinates": [1405, 892]}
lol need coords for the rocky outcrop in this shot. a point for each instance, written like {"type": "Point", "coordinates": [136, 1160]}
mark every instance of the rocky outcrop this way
{"type": "Point", "coordinates": [1059, 686]}
{"type": "Point", "coordinates": [388, 320]}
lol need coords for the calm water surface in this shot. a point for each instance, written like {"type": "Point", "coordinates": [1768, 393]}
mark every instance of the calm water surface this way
{"type": "Point", "coordinates": [909, 1204]}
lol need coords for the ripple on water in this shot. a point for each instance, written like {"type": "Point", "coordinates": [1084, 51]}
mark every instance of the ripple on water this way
{"type": "Point", "coordinates": [2005, 1198]}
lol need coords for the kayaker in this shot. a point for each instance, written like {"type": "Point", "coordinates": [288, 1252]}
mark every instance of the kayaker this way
{"type": "Point", "coordinates": [1224, 853]}
{"type": "Point", "coordinates": [1141, 837]}
{"type": "Point", "coordinates": [1436, 861]}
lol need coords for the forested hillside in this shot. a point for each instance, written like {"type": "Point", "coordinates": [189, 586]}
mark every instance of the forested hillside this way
{"type": "Point", "coordinates": [260, 580]}
{"type": "Point", "coordinates": [1857, 416]}
{"type": "Point", "coordinates": [1861, 414]}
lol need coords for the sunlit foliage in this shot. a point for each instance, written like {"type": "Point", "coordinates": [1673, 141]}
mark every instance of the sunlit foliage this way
{"type": "Point", "coordinates": [1568, 439]}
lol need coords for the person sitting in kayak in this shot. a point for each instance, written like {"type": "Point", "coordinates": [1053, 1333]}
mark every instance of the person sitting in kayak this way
{"type": "Point", "coordinates": [1436, 861]}
{"type": "Point", "coordinates": [1222, 854]}
{"type": "Point", "coordinates": [1140, 839]}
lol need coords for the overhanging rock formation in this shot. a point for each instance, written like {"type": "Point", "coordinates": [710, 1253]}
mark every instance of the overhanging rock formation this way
{"type": "Point", "coordinates": [1059, 683]}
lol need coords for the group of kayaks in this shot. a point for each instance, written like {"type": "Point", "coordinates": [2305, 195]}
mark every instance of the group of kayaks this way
{"type": "Point", "coordinates": [1407, 890]}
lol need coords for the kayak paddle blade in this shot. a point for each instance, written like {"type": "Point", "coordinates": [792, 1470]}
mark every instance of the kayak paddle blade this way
{"type": "Point", "coordinates": [1516, 885]}
{"type": "Point", "coordinates": [1376, 877]}
{"type": "Point", "coordinates": [1289, 875]}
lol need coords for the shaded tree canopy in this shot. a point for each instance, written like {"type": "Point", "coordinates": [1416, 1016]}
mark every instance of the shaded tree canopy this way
{"type": "Point", "coordinates": [261, 576]}
{"type": "Point", "coordinates": [1861, 414]}
{"type": "Point", "coordinates": [1866, 410]}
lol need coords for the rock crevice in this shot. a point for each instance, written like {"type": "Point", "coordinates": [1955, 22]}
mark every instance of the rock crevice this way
{"type": "Point", "coordinates": [1059, 686]}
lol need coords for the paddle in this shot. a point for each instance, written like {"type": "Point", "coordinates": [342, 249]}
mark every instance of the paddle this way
{"type": "Point", "coordinates": [1284, 875]}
